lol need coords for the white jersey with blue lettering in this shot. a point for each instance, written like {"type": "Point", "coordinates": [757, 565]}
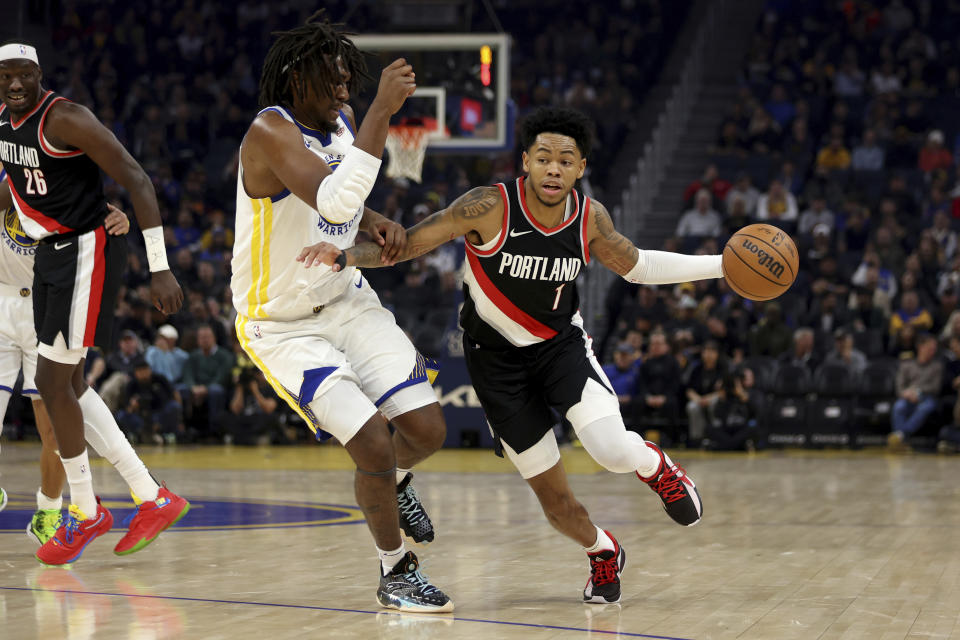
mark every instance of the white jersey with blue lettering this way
{"type": "Point", "coordinates": [18, 252]}
{"type": "Point", "coordinates": [268, 283]}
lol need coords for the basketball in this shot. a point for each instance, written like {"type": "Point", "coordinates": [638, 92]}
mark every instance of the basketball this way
{"type": "Point", "coordinates": [760, 262]}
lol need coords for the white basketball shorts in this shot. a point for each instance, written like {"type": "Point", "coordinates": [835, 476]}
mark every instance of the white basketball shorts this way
{"type": "Point", "coordinates": [18, 340]}
{"type": "Point", "coordinates": [352, 339]}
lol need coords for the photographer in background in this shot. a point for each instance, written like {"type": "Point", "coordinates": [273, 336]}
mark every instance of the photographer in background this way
{"type": "Point", "coordinates": [254, 418]}
{"type": "Point", "coordinates": [152, 411]}
{"type": "Point", "coordinates": [734, 424]}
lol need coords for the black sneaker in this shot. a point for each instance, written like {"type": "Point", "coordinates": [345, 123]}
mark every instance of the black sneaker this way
{"type": "Point", "coordinates": [681, 500]}
{"type": "Point", "coordinates": [413, 518]}
{"type": "Point", "coordinates": [603, 587]}
{"type": "Point", "coordinates": [406, 589]}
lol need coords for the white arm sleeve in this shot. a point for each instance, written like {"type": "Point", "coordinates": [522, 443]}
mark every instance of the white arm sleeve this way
{"type": "Point", "coordinates": [343, 192]}
{"type": "Point", "coordinates": [663, 267]}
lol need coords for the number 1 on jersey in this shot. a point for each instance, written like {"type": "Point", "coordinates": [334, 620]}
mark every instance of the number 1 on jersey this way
{"type": "Point", "coordinates": [556, 300]}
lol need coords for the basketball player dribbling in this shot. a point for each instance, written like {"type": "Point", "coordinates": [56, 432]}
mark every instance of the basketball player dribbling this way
{"type": "Point", "coordinates": [18, 351]}
{"type": "Point", "coordinates": [53, 151]}
{"type": "Point", "coordinates": [321, 338]}
{"type": "Point", "coordinates": [524, 341]}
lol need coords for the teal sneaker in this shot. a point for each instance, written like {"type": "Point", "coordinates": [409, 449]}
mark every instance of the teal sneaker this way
{"type": "Point", "coordinates": [43, 525]}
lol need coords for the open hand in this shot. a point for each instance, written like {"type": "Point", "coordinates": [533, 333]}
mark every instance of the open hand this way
{"type": "Point", "coordinates": [320, 253]}
{"type": "Point", "coordinates": [116, 223]}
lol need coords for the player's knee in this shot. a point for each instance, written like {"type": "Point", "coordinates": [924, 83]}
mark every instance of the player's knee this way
{"type": "Point", "coordinates": [372, 447]}
{"type": "Point", "coordinates": [617, 460]}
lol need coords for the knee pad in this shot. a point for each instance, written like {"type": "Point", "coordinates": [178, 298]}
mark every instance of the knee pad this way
{"type": "Point", "coordinates": [612, 446]}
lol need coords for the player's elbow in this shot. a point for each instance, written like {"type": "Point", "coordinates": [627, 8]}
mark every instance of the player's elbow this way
{"type": "Point", "coordinates": [339, 207]}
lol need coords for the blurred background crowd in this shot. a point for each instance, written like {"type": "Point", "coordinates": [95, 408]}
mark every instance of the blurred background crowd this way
{"type": "Point", "coordinates": [843, 134]}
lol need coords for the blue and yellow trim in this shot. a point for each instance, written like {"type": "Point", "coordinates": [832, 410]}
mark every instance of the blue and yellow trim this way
{"type": "Point", "coordinates": [425, 370]}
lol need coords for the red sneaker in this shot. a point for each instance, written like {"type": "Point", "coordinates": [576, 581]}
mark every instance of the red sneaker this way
{"type": "Point", "coordinates": [73, 535]}
{"type": "Point", "coordinates": [680, 498]}
{"type": "Point", "coordinates": [150, 519]}
{"type": "Point", "coordinates": [603, 587]}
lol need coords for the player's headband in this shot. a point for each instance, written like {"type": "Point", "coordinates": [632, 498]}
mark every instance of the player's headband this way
{"type": "Point", "coordinates": [18, 52]}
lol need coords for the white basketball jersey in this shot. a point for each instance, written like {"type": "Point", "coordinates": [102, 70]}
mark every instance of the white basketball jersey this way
{"type": "Point", "coordinates": [268, 282]}
{"type": "Point", "coordinates": [18, 251]}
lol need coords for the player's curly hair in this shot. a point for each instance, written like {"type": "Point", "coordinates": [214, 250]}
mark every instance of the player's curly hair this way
{"type": "Point", "coordinates": [311, 50]}
{"type": "Point", "coordinates": [562, 120]}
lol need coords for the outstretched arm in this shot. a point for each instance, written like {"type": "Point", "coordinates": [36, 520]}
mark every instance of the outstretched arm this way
{"type": "Point", "coordinates": [477, 214]}
{"type": "Point", "coordinates": [617, 253]}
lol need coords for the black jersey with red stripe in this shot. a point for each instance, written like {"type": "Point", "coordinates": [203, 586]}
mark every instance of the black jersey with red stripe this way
{"type": "Point", "coordinates": [520, 288]}
{"type": "Point", "coordinates": [54, 190]}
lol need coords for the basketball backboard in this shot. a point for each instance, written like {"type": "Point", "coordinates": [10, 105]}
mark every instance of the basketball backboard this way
{"type": "Point", "coordinates": [462, 82]}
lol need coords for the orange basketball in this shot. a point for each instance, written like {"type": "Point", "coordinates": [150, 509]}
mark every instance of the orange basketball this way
{"type": "Point", "coordinates": [760, 262]}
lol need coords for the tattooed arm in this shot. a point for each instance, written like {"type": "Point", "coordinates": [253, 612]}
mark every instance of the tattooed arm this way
{"type": "Point", "coordinates": [617, 253]}
{"type": "Point", "coordinates": [478, 214]}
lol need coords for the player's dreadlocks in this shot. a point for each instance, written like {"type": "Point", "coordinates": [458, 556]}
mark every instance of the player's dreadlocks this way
{"type": "Point", "coordinates": [311, 50]}
{"type": "Point", "coordinates": [562, 120]}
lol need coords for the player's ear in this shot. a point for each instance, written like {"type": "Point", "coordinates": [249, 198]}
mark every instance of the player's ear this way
{"type": "Point", "coordinates": [525, 161]}
{"type": "Point", "coordinates": [583, 167]}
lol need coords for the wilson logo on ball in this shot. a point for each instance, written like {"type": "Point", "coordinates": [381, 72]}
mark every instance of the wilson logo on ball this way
{"type": "Point", "coordinates": [764, 259]}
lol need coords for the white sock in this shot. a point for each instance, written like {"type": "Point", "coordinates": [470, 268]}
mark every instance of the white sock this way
{"type": "Point", "coordinates": [389, 559]}
{"type": "Point", "coordinates": [603, 543]}
{"type": "Point", "coordinates": [43, 502]}
{"type": "Point", "coordinates": [104, 435]}
{"type": "Point", "coordinates": [651, 458]}
{"type": "Point", "coordinates": [401, 474]}
{"type": "Point", "coordinates": [81, 483]}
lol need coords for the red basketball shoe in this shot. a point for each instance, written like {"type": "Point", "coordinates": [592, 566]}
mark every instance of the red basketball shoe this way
{"type": "Point", "coordinates": [73, 535]}
{"type": "Point", "coordinates": [603, 587]}
{"type": "Point", "coordinates": [150, 519]}
{"type": "Point", "coordinates": [680, 498]}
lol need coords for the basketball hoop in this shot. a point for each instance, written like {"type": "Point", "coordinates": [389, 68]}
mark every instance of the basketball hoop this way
{"type": "Point", "coordinates": [407, 146]}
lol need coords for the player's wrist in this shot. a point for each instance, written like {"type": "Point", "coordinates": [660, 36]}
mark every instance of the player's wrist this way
{"type": "Point", "coordinates": [156, 249]}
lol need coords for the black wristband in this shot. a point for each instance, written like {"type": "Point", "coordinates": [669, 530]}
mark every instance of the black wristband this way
{"type": "Point", "coordinates": [341, 260]}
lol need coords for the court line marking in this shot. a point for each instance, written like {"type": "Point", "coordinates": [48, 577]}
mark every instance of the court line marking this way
{"type": "Point", "coordinates": [337, 610]}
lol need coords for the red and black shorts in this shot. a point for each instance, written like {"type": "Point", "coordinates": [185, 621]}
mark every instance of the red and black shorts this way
{"type": "Point", "coordinates": [76, 279]}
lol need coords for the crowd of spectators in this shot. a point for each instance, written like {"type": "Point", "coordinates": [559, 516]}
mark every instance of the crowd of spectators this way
{"type": "Point", "coordinates": [844, 134]}
{"type": "Point", "coordinates": [178, 87]}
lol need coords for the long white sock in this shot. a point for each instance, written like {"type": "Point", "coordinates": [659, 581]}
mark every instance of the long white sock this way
{"type": "Point", "coordinates": [81, 483]}
{"type": "Point", "coordinates": [104, 435]}
{"type": "Point", "coordinates": [603, 543]}
{"type": "Point", "coordinates": [389, 559]}
{"type": "Point", "coordinates": [43, 502]}
{"type": "Point", "coordinates": [401, 474]}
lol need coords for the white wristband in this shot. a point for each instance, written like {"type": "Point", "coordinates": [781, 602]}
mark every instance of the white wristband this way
{"type": "Point", "coordinates": [156, 249]}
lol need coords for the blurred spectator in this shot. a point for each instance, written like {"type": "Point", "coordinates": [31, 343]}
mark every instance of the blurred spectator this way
{"type": "Point", "coordinates": [716, 186]}
{"type": "Point", "coordinates": [868, 155]}
{"type": "Point", "coordinates": [777, 204]}
{"type": "Point", "coordinates": [933, 155]}
{"type": "Point", "coordinates": [763, 133]}
{"type": "Point", "coordinates": [798, 145]}
{"type": "Point", "coordinates": [910, 313]}
{"type": "Point", "coordinates": [770, 336]}
{"type": "Point", "coordinates": [206, 376]}
{"type": "Point", "coordinates": [845, 354]}
{"type": "Point", "coordinates": [918, 385]}
{"type": "Point", "coordinates": [254, 418]}
{"type": "Point", "coordinates": [152, 410]}
{"type": "Point", "coordinates": [818, 213]}
{"type": "Point", "coordinates": [834, 156]}
{"type": "Point", "coordinates": [802, 354]}
{"type": "Point", "coordinates": [119, 368]}
{"type": "Point", "coordinates": [901, 152]}
{"type": "Point", "coordinates": [744, 190]}
{"type": "Point", "coordinates": [648, 312]}
{"type": "Point", "coordinates": [164, 356]}
{"type": "Point", "coordinates": [659, 388]}
{"type": "Point", "coordinates": [702, 220]}
{"type": "Point", "coordinates": [865, 314]}
{"type": "Point", "coordinates": [701, 389]}
{"type": "Point", "coordinates": [733, 424]}
{"type": "Point", "coordinates": [737, 217]}
{"type": "Point", "coordinates": [623, 374]}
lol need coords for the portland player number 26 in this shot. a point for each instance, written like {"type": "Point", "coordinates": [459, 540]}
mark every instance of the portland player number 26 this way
{"type": "Point", "coordinates": [35, 182]}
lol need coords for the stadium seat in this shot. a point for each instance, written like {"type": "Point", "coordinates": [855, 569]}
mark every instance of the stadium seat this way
{"type": "Point", "coordinates": [830, 412]}
{"type": "Point", "coordinates": [787, 414]}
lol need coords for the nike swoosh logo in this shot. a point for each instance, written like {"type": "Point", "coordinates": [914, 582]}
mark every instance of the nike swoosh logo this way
{"type": "Point", "coordinates": [59, 246]}
{"type": "Point", "coordinates": [514, 233]}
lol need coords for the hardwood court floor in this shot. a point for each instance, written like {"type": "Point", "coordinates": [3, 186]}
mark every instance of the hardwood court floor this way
{"type": "Point", "coordinates": [800, 545]}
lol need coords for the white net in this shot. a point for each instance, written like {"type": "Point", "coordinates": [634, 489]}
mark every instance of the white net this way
{"type": "Point", "coordinates": [407, 146]}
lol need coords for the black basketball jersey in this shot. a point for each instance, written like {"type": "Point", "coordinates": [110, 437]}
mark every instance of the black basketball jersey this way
{"type": "Point", "coordinates": [54, 190]}
{"type": "Point", "coordinates": [520, 288]}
